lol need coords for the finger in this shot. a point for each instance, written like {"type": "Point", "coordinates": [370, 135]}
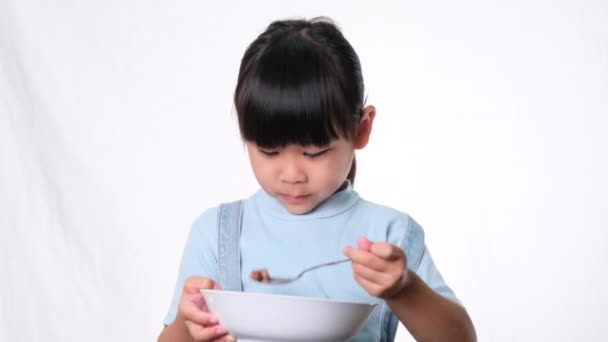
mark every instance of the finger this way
{"type": "Point", "coordinates": [364, 243]}
{"type": "Point", "coordinates": [256, 275]}
{"type": "Point", "coordinates": [194, 283]}
{"type": "Point", "coordinates": [387, 282]}
{"type": "Point", "coordinates": [381, 290]}
{"type": "Point", "coordinates": [201, 333]}
{"type": "Point", "coordinates": [370, 287]}
{"type": "Point", "coordinates": [227, 338]}
{"type": "Point", "coordinates": [260, 275]}
{"type": "Point", "coordinates": [199, 301]}
{"type": "Point", "coordinates": [192, 313]}
{"type": "Point", "coordinates": [386, 251]}
{"type": "Point", "coordinates": [371, 275]}
{"type": "Point", "coordinates": [365, 258]}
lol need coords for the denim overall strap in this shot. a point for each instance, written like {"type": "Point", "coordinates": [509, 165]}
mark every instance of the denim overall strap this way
{"type": "Point", "coordinates": [229, 251]}
{"type": "Point", "coordinates": [412, 243]}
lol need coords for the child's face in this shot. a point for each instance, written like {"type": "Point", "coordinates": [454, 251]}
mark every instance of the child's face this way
{"type": "Point", "coordinates": [301, 177]}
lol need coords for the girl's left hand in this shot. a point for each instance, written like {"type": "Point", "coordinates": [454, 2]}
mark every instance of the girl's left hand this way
{"type": "Point", "coordinates": [380, 267]}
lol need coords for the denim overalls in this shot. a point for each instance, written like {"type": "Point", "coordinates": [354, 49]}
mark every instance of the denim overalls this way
{"type": "Point", "coordinates": [229, 262]}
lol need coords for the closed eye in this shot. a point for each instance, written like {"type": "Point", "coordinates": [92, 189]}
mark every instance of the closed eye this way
{"type": "Point", "coordinates": [316, 154]}
{"type": "Point", "coordinates": [268, 153]}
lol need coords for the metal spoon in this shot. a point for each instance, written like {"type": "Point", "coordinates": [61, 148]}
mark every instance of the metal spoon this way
{"type": "Point", "coordinates": [263, 276]}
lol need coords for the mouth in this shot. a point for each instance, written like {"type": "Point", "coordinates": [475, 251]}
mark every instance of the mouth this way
{"type": "Point", "coordinates": [294, 199]}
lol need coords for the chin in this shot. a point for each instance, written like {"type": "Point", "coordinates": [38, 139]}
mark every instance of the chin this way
{"type": "Point", "coordinates": [298, 210]}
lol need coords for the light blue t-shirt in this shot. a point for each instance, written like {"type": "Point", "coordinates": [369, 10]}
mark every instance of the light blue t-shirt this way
{"type": "Point", "coordinates": [285, 243]}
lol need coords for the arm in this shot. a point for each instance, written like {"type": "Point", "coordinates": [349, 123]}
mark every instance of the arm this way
{"type": "Point", "coordinates": [176, 332]}
{"type": "Point", "coordinates": [381, 269]}
{"type": "Point", "coordinates": [193, 321]}
{"type": "Point", "coordinates": [429, 316]}
{"type": "Point", "coordinates": [188, 318]}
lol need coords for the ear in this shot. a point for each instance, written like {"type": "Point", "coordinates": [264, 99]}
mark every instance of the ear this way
{"type": "Point", "coordinates": [365, 127]}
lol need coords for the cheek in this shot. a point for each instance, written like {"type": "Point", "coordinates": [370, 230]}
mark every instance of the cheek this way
{"type": "Point", "coordinates": [343, 164]}
{"type": "Point", "coordinates": [258, 166]}
{"type": "Point", "coordinates": [262, 167]}
{"type": "Point", "coordinates": [335, 170]}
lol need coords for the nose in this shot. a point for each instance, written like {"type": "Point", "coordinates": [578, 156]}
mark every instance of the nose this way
{"type": "Point", "coordinates": [292, 173]}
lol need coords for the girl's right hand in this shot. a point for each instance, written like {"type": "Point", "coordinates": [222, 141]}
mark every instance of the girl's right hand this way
{"type": "Point", "coordinates": [201, 324]}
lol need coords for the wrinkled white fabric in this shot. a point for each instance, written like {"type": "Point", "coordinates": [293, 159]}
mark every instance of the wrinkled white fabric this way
{"type": "Point", "coordinates": [117, 129]}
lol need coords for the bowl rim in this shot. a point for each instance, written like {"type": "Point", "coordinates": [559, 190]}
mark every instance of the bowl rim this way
{"type": "Point", "coordinates": [273, 295]}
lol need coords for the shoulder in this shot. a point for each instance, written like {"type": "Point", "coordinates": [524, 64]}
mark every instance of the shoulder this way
{"type": "Point", "coordinates": [392, 215]}
{"type": "Point", "coordinates": [207, 221]}
{"type": "Point", "coordinates": [379, 209]}
{"type": "Point", "coordinates": [401, 228]}
{"type": "Point", "coordinates": [203, 231]}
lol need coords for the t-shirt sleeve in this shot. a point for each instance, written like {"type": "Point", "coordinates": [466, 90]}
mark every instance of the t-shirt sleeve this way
{"type": "Point", "coordinates": [198, 258]}
{"type": "Point", "coordinates": [427, 271]}
{"type": "Point", "coordinates": [408, 234]}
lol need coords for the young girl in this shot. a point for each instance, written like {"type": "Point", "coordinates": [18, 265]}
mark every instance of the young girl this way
{"type": "Point", "coordinates": [301, 113]}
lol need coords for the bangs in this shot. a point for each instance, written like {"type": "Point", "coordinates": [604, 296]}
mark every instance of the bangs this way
{"type": "Point", "coordinates": [294, 94]}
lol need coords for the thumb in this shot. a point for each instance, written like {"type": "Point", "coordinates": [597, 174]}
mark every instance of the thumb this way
{"type": "Point", "coordinates": [387, 251]}
{"type": "Point", "coordinates": [194, 283]}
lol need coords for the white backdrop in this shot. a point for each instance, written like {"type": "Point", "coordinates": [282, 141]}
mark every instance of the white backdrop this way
{"type": "Point", "coordinates": [117, 130]}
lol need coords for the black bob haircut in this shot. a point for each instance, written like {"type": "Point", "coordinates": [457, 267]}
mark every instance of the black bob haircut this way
{"type": "Point", "coordinates": [300, 82]}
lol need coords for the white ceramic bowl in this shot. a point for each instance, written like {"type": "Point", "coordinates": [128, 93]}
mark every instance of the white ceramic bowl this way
{"type": "Point", "coordinates": [268, 317]}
